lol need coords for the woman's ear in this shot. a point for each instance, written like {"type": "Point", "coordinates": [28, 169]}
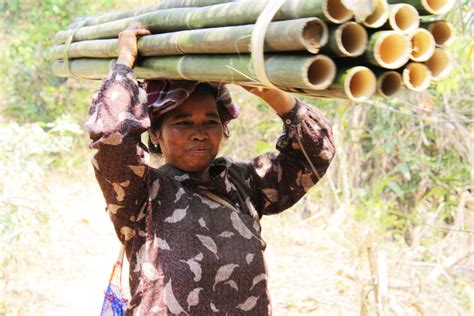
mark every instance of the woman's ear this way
{"type": "Point", "coordinates": [154, 136]}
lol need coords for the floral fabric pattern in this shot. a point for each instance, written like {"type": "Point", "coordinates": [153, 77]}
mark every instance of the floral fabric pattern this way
{"type": "Point", "coordinates": [188, 253]}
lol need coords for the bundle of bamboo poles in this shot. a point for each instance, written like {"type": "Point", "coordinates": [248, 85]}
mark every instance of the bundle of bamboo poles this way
{"type": "Point", "coordinates": [312, 47]}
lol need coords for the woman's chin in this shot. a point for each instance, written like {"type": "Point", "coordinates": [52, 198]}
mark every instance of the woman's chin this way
{"type": "Point", "coordinates": [197, 167]}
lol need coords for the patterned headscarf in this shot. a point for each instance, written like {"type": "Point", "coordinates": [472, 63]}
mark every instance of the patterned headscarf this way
{"type": "Point", "coordinates": [165, 95]}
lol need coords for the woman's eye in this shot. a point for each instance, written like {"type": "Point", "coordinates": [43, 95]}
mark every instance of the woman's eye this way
{"type": "Point", "coordinates": [183, 123]}
{"type": "Point", "coordinates": [212, 122]}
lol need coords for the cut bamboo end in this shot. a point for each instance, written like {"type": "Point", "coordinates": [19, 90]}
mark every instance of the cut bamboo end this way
{"type": "Point", "coordinates": [416, 76]}
{"type": "Point", "coordinates": [360, 83]}
{"type": "Point", "coordinates": [379, 17]}
{"type": "Point", "coordinates": [389, 83]}
{"type": "Point", "coordinates": [439, 64]}
{"type": "Point", "coordinates": [423, 45]}
{"type": "Point", "coordinates": [404, 18]}
{"type": "Point", "coordinates": [437, 6]}
{"type": "Point", "coordinates": [392, 50]}
{"type": "Point", "coordinates": [443, 32]}
{"type": "Point", "coordinates": [315, 35]}
{"type": "Point", "coordinates": [352, 39]}
{"type": "Point", "coordinates": [336, 12]}
{"type": "Point", "coordinates": [321, 72]}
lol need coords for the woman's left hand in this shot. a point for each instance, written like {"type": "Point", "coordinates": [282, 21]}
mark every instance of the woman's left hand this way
{"type": "Point", "coordinates": [127, 46]}
{"type": "Point", "coordinates": [281, 101]}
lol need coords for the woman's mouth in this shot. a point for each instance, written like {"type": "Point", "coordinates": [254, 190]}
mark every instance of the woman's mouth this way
{"type": "Point", "coordinates": [200, 151]}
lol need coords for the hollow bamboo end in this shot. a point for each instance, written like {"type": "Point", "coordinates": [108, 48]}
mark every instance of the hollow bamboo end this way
{"type": "Point", "coordinates": [321, 72]}
{"type": "Point", "coordinates": [438, 6]}
{"type": "Point", "coordinates": [352, 39]}
{"type": "Point", "coordinates": [315, 35]}
{"type": "Point", "coordinates": [443, 32]}
{"type": "Point", "coordinates": [392, 50]}
{"type": "Point", "coordinates": [404, 18]}
{"type": "Point", "coordinates": [336, 12]}
{"type": "Point", "coordinates": [360, 84]}
{"type": "Point", "coordinates": [389, 83]}
{"type": "Point", "coordinates": [416, 76]}
{"type": "Point", "coordinates": [423, 45]}
{"type": "Point", "coordinates": [379, 16]}
{"type": "Point", "coordinates": [439, 64]}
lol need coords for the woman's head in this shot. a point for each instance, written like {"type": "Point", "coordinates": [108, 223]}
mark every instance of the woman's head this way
{"type": "Point", "coordinates": [189, 135]}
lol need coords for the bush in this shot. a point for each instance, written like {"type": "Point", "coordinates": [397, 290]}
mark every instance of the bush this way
{"type": "Point", "coordinates": [28, 151]}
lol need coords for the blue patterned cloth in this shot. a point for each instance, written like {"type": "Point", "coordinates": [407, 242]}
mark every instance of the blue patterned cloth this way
{"type": "Point", "coordinates": [115, 302]}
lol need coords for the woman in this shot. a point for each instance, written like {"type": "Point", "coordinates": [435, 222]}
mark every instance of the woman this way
{"type": "Point", "coordinates": [191, 227]}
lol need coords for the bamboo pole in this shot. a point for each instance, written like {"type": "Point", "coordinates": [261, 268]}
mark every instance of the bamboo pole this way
{"type": "Point", "coordinates": [443, 32]}
{"type": "Point", "coordinates": [439, 64]}
{"type": "Point", "coordinates": [416, 76]}
{"type": "Point", "coordinates": [427, 7]}
{"type": "Point", "coordinates": [403, 18]}
{"type": "Point", "coordinates": [286, 71]}
{"type": "Point", "coordinates": [355, 83]}
{"type": "Point", "coordinates": [347, 40]}
{"type": "Point", "coordinates": [388, 49]}
{"type": "Point", "coordinates": [162, 5]}
{"type": "Point", "coordinates": [292, 35]}
{"type": "Point", "coordinates": [388, 83]}
{"type": "Point", "coordinates": [226, 14]}
{"type": "Point", "coordinates": [379, 16]}
{"type": "Point", "coordinates": [423, 45]}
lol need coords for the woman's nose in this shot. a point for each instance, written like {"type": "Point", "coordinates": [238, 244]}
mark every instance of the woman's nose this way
{"type": "Point", "coordinates": [199, 134]}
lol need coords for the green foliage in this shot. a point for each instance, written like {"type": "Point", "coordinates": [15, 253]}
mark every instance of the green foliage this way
{"type": "Point", "coordinates": [30, 92]}
{"type": "Point", "coordinates": [28, 151]}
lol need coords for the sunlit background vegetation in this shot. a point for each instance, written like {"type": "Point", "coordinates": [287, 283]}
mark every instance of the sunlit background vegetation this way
{"type": "Point", "coordinates": [400, 185]}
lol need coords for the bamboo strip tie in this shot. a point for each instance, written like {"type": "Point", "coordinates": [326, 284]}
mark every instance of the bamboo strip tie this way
{"type": "Point", "coordinates": [258, 38]}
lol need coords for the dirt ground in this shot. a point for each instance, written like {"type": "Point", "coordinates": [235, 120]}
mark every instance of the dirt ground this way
{"type": "Point", "coordinates": [316, 265]}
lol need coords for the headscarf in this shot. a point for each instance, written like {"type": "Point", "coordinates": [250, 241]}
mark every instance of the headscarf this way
{"type": "Point", "coordinates": [165, 95]}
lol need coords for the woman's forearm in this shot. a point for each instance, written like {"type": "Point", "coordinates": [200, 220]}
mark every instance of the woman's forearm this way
{"type": "Point", "coordinates": [282, 102]}
{"type": "Point", "coordinates": [126, 59]}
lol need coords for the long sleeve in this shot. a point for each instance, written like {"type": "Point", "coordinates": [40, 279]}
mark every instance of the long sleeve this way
{"type": "Point", "coordinates": [117, 118]}
{"type": "Point", "coordinates": [281, 178]}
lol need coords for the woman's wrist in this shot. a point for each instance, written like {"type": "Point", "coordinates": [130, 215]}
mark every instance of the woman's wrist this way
{"type": "Point", "coordinates": [282, 102]}
{"type": "Point", "coordinates": [126, 59]}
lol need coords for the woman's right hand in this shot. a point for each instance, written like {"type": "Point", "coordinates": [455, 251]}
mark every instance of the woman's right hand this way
{"type": "Point", "coordinates": [127, 43]}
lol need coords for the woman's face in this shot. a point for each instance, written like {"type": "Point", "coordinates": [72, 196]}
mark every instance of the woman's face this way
{"type": "Point", "coordinates": [190, 135]}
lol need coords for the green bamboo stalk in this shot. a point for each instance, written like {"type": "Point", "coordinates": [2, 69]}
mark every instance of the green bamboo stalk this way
{"type": "Point", "coordinates": [416, 76]}
{"type": "Point", "coordinates": [443, 32]}
{"type": "Point", "coordinates": [355, 83]}
{"type": "Point", "coordinates": [423, 45]}
{"type": "Point", "coordinates": [227, 14]}
{"type": "Point", "coordinates": [379, 16]}
{"type": "Point", "coordinates": [402, 17]}
{"type": "Point", "coordinates": [428, 7]}
{"type": "Point", "coordinates": [346, 40]}
{"type": "Point", "coordinates": [285, 71]}
{"type": "Point", "coordinates": [440, 64]}
{"type": "Point", "coordinates": [292, 35]}
{"type": "Point", "coordinates": [94, 49]}
{"type": "Point", "coordinates": [388, 49]}
{"type": "Point", "coordinates": [388, 82]}
{"type": "Point", "coordinates": [163, 5]}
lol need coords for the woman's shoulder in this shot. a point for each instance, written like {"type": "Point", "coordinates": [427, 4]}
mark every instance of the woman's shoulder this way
{"type": "Point", "coordinates": [232, 164]}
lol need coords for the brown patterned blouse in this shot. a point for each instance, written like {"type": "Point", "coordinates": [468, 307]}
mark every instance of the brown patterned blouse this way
{"type": "Point", "coordinates": [189, 254]}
